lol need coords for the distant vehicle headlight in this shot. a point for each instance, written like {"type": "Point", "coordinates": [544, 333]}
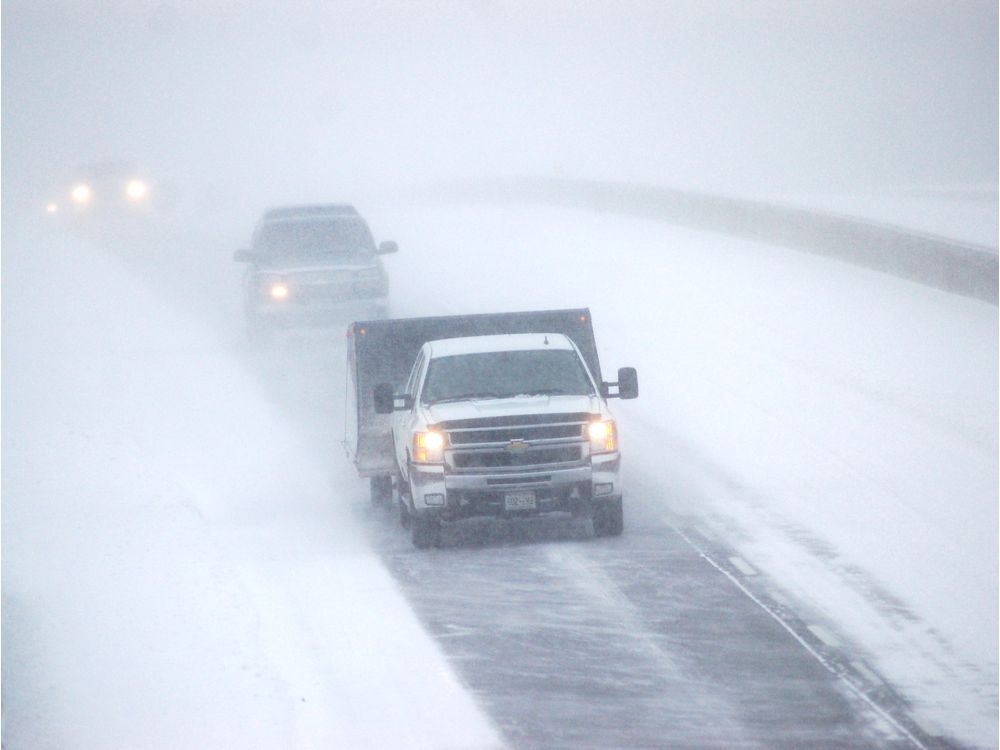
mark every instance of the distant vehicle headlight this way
{"type": "Point", "coordinates": [279, 291]}
{"type": "Point", "coordinates": [52, 208]}
{"type": "Point", "coordinates": [136, 191]}
{"type": "Point", "coordinates": [82, 193]}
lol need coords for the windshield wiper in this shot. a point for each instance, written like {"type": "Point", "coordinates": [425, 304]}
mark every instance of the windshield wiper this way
{"type": "Point", "coordinates": [543, 392]}
{"type": "Point", "coordinates": [464, 397]}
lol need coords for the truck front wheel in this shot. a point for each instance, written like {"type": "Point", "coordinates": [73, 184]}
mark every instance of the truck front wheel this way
{"type": "Point", "coordinates": [609, 519]}
{"type": "Point", "coordinates": [381, 490]}
{"type": "Point", "coordinates": [403, 500]}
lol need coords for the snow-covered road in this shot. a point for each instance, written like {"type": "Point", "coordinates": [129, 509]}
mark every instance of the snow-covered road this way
{"type": "Point", "coordinates": [187, 556]}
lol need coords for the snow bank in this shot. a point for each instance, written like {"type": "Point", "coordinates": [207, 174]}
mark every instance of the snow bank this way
{"type": "Point", "coordinates": [908, 253]}
{"type": "Point", "coordinates": [176, 571]}
{"type": "Point", "coordinates": [960, 213]}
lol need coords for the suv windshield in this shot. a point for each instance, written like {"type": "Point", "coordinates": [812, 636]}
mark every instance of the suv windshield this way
{"type": "Point", "coordinates": [326, 237]}
{"type": "Point", "coordinates": [504, 374]}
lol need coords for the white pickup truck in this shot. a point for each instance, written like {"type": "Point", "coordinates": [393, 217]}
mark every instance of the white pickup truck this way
{"type": "Point", "coordinates": [492, 415]}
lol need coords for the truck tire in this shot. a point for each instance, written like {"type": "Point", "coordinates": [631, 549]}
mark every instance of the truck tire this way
{"type": "Point", "coordinates": [424, 531]}
{"type": "Point", "coordinates": [403, 501]}
{"type": "Point", "coordinates": [380, 488]}
{"type": "Point", "coordinates": [609, 520]}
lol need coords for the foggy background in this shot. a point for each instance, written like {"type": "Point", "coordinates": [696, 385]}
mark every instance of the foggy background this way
{"type": "Point", "coordinates": [834, 426]}
{"type": "Point", "coordinates": [303, 100]}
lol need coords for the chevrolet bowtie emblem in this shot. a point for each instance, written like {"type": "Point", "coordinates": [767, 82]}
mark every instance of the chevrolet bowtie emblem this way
{"type": "Point", "coordinates": [517, 446]}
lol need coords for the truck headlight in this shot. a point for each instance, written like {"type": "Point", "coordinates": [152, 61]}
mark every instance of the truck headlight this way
{"type": "Point", "coordinates": [428, 447]}
{"type": "Point", "coordinates": [278, 291]}
{"type": "Point", "coordinates": [603, 436]}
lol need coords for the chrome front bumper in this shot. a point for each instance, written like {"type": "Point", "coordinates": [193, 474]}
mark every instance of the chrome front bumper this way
{"type": "Point", "coordinates": [434, 488]}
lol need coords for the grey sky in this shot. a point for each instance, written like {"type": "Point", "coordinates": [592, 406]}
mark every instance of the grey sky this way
{"type": "Point", "coordinates": [761, 96]}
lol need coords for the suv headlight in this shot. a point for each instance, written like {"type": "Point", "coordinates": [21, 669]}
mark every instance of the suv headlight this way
{"type": "Point", "coordinates": [603, 436]}
{"type": "Point", "coordinates": [428, 447]}
{"type": "Point", "coordinates": [273, 287]}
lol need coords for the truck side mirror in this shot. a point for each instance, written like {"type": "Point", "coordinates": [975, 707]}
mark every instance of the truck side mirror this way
{"type": "Point", "coordinates": [386, 402]}
{"type": "Point", "coordinates": [243, 256]}
{"type": "Point", "coordinates": [627, 385]}
{"type": "Point", "coordinates": [384, 248]}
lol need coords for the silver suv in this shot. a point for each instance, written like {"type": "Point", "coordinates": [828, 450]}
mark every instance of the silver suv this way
{"type": "Point", "coordinates": [311, 265]}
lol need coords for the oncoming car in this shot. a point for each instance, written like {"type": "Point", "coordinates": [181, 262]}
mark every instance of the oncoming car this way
{"type": "Point", "coordinates": [313, 265]}
{"type": "Point", "coordinates": [102, 189]}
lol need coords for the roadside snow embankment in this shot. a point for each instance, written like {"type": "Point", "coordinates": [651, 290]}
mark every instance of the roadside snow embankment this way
{"type": "Point", "coordinates": [176, 571]}
{"type": "Point", "coordinates": [967, 215]}
{"type": "Point", "coordinates": [906, 250]}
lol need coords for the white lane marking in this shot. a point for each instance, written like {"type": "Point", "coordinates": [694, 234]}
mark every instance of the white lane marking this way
{"type": "Point", "coordinates": [862, 669]}
{"type": "Point", "coordinates": [743, 566]}
{"type": "Point", "coordinates": [815, 654]}
{"type": "Point", "coordinates": [824, 635]}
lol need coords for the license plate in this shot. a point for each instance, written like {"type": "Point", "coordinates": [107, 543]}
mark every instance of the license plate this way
{"type": "Point", "coordinates": [519, 500]}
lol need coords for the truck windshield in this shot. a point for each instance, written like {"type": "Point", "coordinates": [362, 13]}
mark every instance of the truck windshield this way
{"type": "Point", "coordinates": [312, 238]}
{"type": "Point", "coordinates": [551, 372]}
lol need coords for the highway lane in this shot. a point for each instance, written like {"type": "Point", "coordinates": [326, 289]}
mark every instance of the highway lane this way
{"type": "Point", "coordinates": [633, 642]}
{"type": "Point", "coordinates": [651, 640]}
{"type": "Point", "coordinates": [571, 641]}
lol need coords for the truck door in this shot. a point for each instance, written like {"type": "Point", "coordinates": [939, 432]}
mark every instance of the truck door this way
{"type": "Point", "coordinates": [402, 421]}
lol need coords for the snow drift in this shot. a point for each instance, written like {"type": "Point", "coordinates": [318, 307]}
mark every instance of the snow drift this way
{"type": "Point", "coordinates": [163, 526]}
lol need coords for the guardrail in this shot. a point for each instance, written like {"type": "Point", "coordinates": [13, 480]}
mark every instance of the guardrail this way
{"type": "Point", "coordinates": [961, 268]}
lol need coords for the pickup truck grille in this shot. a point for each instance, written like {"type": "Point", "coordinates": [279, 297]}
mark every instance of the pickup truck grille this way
{"type": "Point", "coordinates": [533, 441]}
{"type": "Point", "coordinates": [521, 419]}
{"type": "Point", "coordinates": [506, 434]}
{"type": "Point", "coordinates": [491, 459]}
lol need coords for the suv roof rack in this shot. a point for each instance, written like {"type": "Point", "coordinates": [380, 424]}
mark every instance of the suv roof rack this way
{"type": "Point", "coordinates": [325, 209]}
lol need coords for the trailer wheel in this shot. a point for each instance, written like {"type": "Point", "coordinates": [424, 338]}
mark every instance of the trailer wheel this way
{"type": "Point", "coordinates": [609, 519]}
{"type": "Point", "coordinates": [380, 488]}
